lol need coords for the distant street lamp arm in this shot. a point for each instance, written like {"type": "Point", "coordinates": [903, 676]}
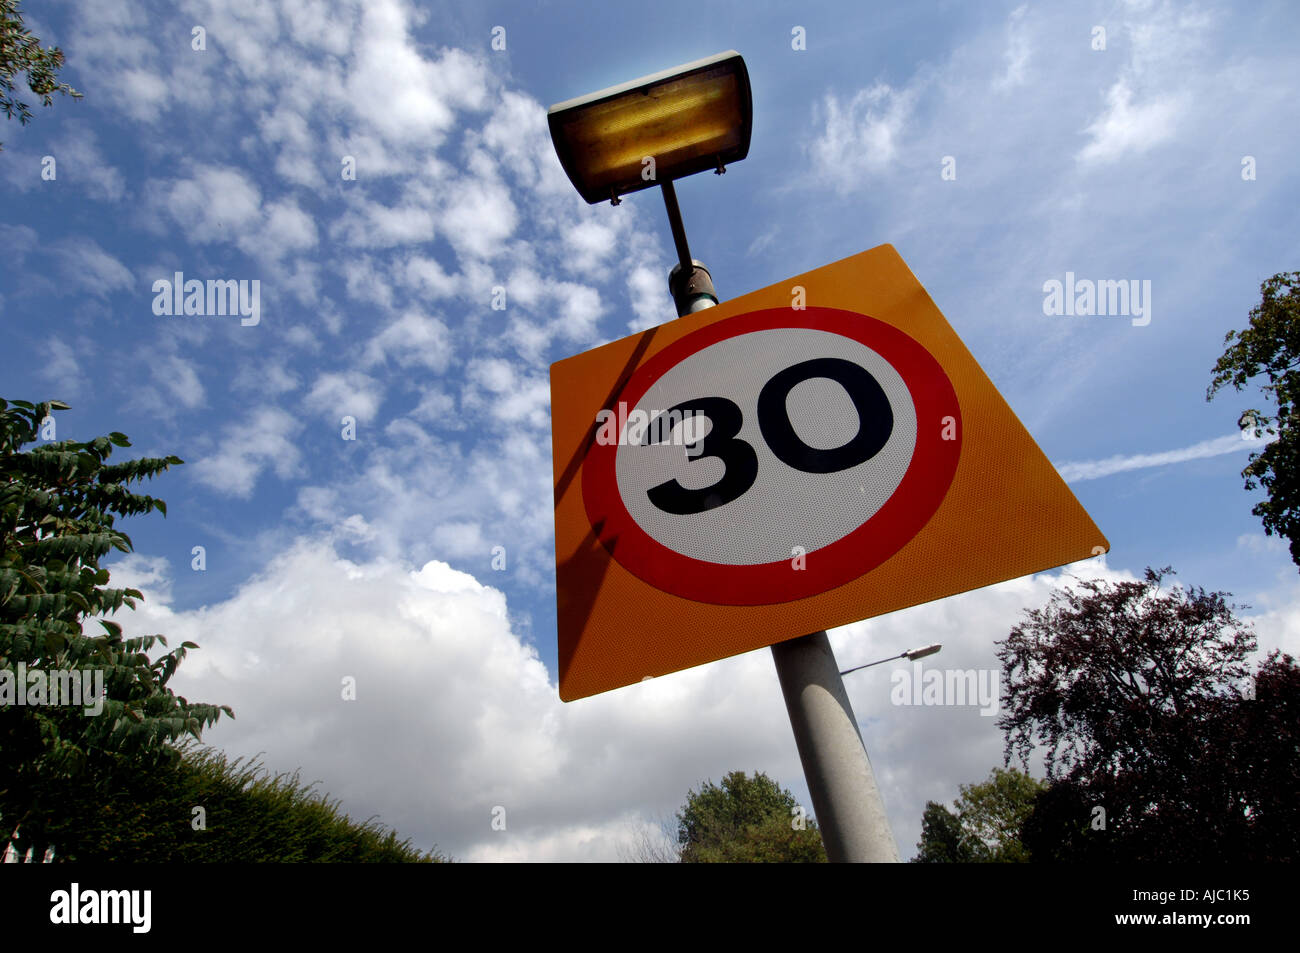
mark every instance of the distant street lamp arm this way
{"type": "Point", "coordinates": [912, 654]}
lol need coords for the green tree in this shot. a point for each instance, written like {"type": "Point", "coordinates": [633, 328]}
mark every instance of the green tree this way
{"type": "Point", "coordinates": [986, 825]}
{"type": "Point", "coordinates": [942, 839]}
{"type": "Point", "coordinates": [746, 820]}
{"type": "Point", "coordinates": [58, 505]}
{"type": "Point", "coordinates": [20, 53]}
{"type": "Point", "coordinates": [1271, 347]}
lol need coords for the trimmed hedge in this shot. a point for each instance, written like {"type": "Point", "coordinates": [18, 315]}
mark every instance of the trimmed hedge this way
{"type": "Point", "coordinates": [249, 816]}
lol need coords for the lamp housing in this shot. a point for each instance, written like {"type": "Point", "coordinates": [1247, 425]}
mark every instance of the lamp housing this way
{"type": "Point", "coordinates": [687, 119]}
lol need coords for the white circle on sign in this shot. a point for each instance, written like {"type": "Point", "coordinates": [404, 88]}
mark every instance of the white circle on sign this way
{"type": "Point", "coordinates": [785, 507]}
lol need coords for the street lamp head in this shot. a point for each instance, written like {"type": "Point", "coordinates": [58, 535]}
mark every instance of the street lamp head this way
{"type": "Point", "coordinates": [686, 120]}
{"type": "Point", "coordinates": [922, 652]}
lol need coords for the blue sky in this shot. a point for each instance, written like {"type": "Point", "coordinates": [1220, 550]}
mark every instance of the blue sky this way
{"type": "Point", "coordinates": [372, 557]}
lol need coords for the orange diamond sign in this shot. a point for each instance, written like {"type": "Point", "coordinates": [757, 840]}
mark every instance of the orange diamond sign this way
{"type": "Point", "coordinates": [817, 452]}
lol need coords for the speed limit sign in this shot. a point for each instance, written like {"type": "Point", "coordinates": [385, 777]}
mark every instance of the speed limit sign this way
{"type": "Point", "coordinates": [808, 455]}
{"type": "Point", "coordinates": [819, 437]}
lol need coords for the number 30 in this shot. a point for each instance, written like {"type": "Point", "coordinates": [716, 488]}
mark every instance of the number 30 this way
{"type": "Point", "coordinates": [875, 424]}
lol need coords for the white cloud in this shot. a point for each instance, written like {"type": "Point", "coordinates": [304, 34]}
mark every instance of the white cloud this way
{"type": "Point", "coordinates": [439, 671]}
{"type": "Point", "coordinates": [530, 404]}
{"type": "Point", "coordinates": [1019, 45]}
{"type": "Point", "coordinates": [61, 369]}
{"type": "Point", "coordinates": [215, 204]}
{"type": "Point", "coordinates": [18, 241]}
{"type": "Point", "coordinates": [319, 503]}
{"type": "Point", "coordinates": [861, 137]}
{"type": "Point", "coordinates": [460, 539]}
{"type": "Point", "coordinates": [346, 393]}
{"type": "Point", "coordinates": [1154, 93]}
{"type": "Point", "coordinates": [510, 397]}
{"type": "Point", "coordinates": [1124, 127]}
{"type": "Point", "coordinates": [366, 282]}
{"type": "Point", "coordinates": [302, 280]}
{"type": "Point", "coordinates": [435, 407]}
{"type": "Point", "coordinates": [426, 277]}
{"type": "Point", "coordinates": [650, 299]}
{"type": "Point", "coordinates": [414, 339]}
{"type": "Point", "coordinates": [287, 228]}
{"type": "Point", "coordinates": [567, 310]}
{"type": "Point", "coordinates": [518, 133]}
{"type": "Point", "coordinates": [80, 162]}
{"type": "Point", "coordinates": [495, 374]}
{"type": "Point", "coordinates": [180, 380]}
{"type": "Point", "coordinates": [1096, 469]}
{"type": "Point", "coordinates": [246, 449]}
{"type": "Point", "coordinates": [371, 225]}
{"type": "Point", "coordinates": [479, 216]}
{"type": "Point", "coordinates": [589, 244]}
{"type": "Point", "coordinates": [142, 94]}
{"type": "Point", "coordinates": [404, 96]}
{"type": "Point", "coordinates": [580, 308]}
{"type": "Point", "coordinates": [317, 23]}
{"type": "Point", "coordinates": [1259, 543]}
{"type": "Point", "coordinates": [85, 265]}
{"type": "Point", "coordinates": [525, 287]}
{"type": "Point", "coordinates": [268, 377]}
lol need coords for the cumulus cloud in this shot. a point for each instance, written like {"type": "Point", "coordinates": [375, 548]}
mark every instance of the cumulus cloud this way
{"type": "Point", "coordinates": [439, 672]}
{"type": "Point", "coordinates": [455, 715]}
{"type": "Point", "coordinates": [651, 302]}
{"type": "Point", "coordinates": [247, 448]}
{"type": "Point", "coordinates": [426, 277]}
{"type": "Point", "coordinates": [346, 393]}
{"type": "Point", "coordinates": [518, 133]}
{"type": "Point", "coordinates": [401, 94]}
{"type": "Point", "coordinates": [286, 228]}
{"type": "Point", "coordinates": [367, 281]}
{"type": "Point", "coordinates": [414, 339]}
{"type": "Point", "coordinates": [372, 225]}
{"type": "Point", "coordinates": [143, 94]}
{"type": "Point", "coordinates": [268, 378]}
{"type": "Point", "coordinates": [590, 243]}
{"type": "Point", "coordinates": [509, 396]}
{"type": "Point", "coordinates": [213, 204]}
{"type": "Point", "coordinates": [478, 217]}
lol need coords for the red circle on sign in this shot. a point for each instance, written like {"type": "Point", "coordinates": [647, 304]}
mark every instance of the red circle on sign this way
{"type": "Point", "coordinates": [908, 509]}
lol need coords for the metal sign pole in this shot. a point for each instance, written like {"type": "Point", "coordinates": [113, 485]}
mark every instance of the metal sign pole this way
{"type": "Point", "coordinates": [850, 812]}
{"type": "Point", "coordinates": [849, 809]}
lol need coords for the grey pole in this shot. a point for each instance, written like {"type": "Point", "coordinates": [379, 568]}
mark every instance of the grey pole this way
{"type": "Point", "coordinates": [849, 809]}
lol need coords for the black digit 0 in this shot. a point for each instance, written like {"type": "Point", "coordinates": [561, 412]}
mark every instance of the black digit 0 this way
{"type": "Point", "coordinates": [875, 418]}
{"type": "Point", "coordinates": [721, 442]}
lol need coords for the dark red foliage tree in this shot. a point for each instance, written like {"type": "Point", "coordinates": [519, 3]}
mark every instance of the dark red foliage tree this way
{"type": "Point", "coordinates": [1156, 745]}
